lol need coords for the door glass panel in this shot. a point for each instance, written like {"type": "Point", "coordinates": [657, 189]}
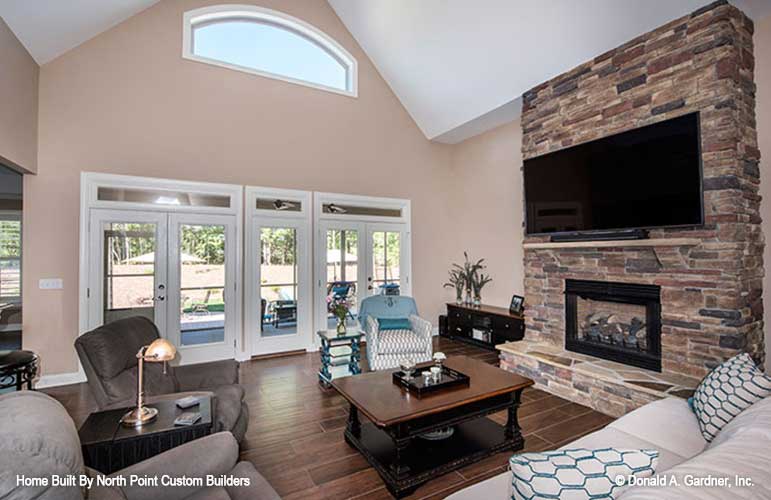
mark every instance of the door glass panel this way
{"type": "Point", "coordinates": [342, 270]}
{"type": "Point", "coordinates": [386, 260]}
{"type": "Point", "coordinates": [202, 283]}
{"type": "Point", "coordinates": [278, 281]}
{"type": "Point", "coordinates": [129, 270]}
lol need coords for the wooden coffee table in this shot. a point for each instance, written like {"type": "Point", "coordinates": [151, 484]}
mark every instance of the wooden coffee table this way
{"type": "Point", "coordinates": [391, 441]}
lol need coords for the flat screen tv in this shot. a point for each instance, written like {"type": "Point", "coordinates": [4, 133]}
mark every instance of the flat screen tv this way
{"type": "Point", "coordinates": [644, 178]}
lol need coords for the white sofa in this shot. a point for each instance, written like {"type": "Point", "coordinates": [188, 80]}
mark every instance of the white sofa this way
{"type": "Point", "coordinates": [742, 448]}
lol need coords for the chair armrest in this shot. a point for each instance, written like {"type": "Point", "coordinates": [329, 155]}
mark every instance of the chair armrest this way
{"type": "Point", "coordinates": [213, 455]}
{"type": "Point", "coordinates": [206, 375]}
{"type": "Point", "coordinates": [420, 326]}
{"type": "Point", "coordinates": [371, 330]}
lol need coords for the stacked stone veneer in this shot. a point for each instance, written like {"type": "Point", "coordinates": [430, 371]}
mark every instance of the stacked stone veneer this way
{"type": "Point", "coordinates": [711, 291]}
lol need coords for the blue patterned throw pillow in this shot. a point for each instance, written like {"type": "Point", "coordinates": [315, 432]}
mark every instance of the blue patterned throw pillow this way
{"type": "Point", "coordinates": [578, 474]}
{"type": "Point", "coordinates": [726, 391]}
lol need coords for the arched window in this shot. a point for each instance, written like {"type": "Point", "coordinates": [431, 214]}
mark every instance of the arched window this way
{"type": "Point", "coordinates": [268, 43]}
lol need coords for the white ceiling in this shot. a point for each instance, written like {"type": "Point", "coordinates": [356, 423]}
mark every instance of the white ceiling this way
{"type": "Point", "coordinates": [49, 28]}
{"type": "Point", "coordinates": [459, 66]}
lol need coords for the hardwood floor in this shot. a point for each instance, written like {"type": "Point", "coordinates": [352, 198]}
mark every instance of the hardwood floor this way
{"type": "Point", "coordinates": [295, 436]}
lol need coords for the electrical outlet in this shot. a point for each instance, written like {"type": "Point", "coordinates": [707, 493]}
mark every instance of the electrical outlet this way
{"type": "Point", "coordinates": [51, 284]}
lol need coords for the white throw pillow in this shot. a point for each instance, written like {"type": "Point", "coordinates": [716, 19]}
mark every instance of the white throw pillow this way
{"type": "Point", "coordinates": [578, 474]}
{"type": "Point", "coordinates": [726, 391]}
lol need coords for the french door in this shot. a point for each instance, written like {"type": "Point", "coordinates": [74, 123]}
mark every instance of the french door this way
{"type": "Point", "coordinates": [178, 270]}
{"type": "Point", "coordinates": [281, 299]}
{"type": "Point", "coordinates": [355, 260]}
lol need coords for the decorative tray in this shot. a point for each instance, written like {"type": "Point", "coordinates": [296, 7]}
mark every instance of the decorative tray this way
{"type": "Point", "coordinates": [417, 385]}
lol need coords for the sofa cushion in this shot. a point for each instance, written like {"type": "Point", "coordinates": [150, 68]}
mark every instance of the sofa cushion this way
{"type": "Point", "coordinates": [210, 493]}
{"type": "Point", "coordinates": [37, 439]}
{"type": "Point", "coordinates": [728, 390]}
{"type": "Point", "coordinates": [666, 424]}
{"type": "Point", "coordinates": [754, 421]}
{"type": "Point", "coordinates": [744, 455]}
{"type": "Point", "coordinates": [258, 489]}
{"type": "Point", "coordinates": [614, 438]}
{"type": "Point", "coordinates": [399, 342]}
{"type": "Point", "coordinates": [577, 474]}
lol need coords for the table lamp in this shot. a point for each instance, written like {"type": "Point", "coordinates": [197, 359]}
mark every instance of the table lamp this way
{"type": "Point", "coordinates": [160, 350]}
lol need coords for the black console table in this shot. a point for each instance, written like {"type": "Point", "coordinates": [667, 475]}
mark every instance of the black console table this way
{"type": "Point", "coordinates": [484, 326]}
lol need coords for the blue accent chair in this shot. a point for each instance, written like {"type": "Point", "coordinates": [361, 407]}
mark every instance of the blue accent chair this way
{"type": "Point", "coordinates": [386, 348]}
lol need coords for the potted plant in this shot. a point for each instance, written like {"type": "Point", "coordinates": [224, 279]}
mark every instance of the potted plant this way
{"type": "Point", "coordinates": [468, 277]}
{"type": "Point", "coordinates": [458, 282]}
{"type": "Point", "coordinates": [478, 281]}
{"type": "Point", "coordinates": [339, 308]}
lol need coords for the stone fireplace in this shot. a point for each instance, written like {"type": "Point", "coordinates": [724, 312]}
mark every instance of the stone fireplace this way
{"type": "Point", "coordinates": [708, 278]}
{"type": "Point", "coordinates": [616, 321]}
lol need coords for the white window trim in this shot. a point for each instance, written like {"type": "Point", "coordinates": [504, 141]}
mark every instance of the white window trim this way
{"type": "Point", "coordinates": [268, 16]}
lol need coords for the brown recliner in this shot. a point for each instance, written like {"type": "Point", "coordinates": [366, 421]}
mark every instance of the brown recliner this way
{"type": "Point", "coordinates": [108, 355]}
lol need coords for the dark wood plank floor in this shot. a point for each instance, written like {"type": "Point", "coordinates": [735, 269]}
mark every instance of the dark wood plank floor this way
{"type": "Point", "coordinates": [295, 436]}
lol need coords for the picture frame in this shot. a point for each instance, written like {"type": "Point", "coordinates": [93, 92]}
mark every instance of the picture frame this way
{"type": "Point", "coordinates": [517, 304]}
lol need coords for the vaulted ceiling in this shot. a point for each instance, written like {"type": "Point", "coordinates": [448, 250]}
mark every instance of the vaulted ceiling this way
{"type": "Point", "coordinates": [458, 66]}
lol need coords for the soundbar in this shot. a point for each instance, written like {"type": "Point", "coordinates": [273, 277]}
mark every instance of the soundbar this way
{"type": "Point", "coordinates": [608, 235]}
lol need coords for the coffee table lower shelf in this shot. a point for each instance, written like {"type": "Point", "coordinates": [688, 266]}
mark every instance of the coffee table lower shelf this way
{"type": "Point", "coordinates": [422, 459]}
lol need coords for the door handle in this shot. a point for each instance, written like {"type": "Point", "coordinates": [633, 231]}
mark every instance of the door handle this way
{"type": "Point", "coordinates": [160, 298]}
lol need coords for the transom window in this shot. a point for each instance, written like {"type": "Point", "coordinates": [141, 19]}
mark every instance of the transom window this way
{"type": "Point", "coordinates": [268, 43]}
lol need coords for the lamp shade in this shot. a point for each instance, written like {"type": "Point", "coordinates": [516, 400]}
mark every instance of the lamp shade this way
{"type": "Point", "coordinates": [160, 350]}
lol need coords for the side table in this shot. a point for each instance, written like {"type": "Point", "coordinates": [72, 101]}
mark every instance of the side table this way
{"type": "Point", "coordinates": [340, 355]}
{"type": "Point", "coordinates": [109, 446]}
{"type": "Point", "coordinates": [17, 368]}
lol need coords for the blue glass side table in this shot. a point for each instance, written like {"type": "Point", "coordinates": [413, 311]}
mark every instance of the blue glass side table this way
{"type": "Point", "coordinates": [340, 354]}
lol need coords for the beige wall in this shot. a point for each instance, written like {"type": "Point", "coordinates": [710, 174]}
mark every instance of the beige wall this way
{"type": "Point", "coordinates": [126, 102]}
{"type": "Point", "coordinates": [763, 112]}
{"type": "Point", "coordinates": [487, 208]}
{"type": "Point", "coordinates": [18, 103]}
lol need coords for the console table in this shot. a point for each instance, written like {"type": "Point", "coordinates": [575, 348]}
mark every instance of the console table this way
{"type": "Point", "coordinates": [484, 326]}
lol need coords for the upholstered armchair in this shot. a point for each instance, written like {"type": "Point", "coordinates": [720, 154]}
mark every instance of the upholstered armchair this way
{"type": "Point", "coordinates": [108, 356]}
{"type": "Point", "coordinates": [38, 439]}
{"type": "Point", "coordinates": [394, 331]}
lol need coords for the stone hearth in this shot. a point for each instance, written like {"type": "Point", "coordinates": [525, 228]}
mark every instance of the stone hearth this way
{"type": "Point", "coordinates": [612, 388]}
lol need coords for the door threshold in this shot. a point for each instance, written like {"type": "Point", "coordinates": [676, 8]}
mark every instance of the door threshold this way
{"type": "Point", "coordinates": [278, 354]}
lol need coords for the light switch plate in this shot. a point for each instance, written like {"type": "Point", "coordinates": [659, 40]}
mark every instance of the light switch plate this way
{"type": "Point", "coordinates": [51, 284]}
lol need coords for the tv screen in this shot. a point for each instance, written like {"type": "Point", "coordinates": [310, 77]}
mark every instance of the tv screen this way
{"type": "Point", "coordinates": [644, 178]}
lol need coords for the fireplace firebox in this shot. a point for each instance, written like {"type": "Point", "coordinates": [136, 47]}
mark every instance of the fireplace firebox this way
{"type": "Point", "coordinates": [616, 321]}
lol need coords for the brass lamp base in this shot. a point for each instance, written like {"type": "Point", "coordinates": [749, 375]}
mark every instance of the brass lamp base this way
{"type": "Point", "coordinates": [139, 416]}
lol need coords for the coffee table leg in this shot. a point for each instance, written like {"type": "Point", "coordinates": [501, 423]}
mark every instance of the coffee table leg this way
{"type": "Point", "coordinates": [401, 443]}
{"type": "Point", "coordinates": [512, 431]}
{"type": "Point", "coordinates": [354, 426]}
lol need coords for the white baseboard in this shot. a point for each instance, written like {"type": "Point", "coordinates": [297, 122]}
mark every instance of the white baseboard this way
{"type": "Point", "coordinates": [58, 379]}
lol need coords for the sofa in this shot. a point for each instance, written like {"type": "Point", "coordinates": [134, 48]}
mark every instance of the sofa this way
{"type": "Point", "coordinates": [669, 426]}
{"type": "Point", "coordinates": [38, 439]}
{"type": "Point", "coordinates": [108, 356]}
